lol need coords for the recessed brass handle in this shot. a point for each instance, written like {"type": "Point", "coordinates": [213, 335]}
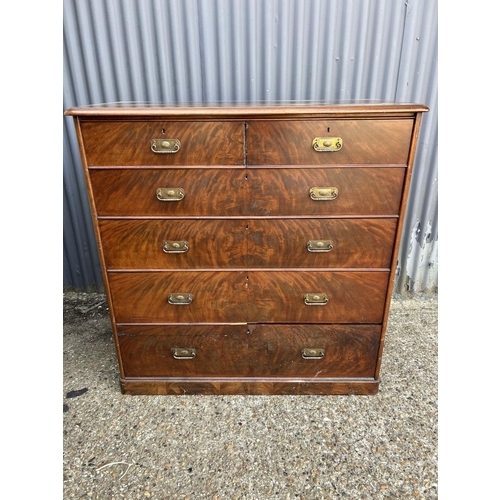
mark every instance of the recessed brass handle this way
{"type": "Point", "coordinates": [313, 353]}
{"type": "Point", "coordinates": [323, 193]}
{"type": "Point", "coordinates": [175, 246]}
{"type": "Point", "coordinates": [165, 145]}
{"type": "Point", "coordinates": [180, 299]}
{"type": "Point", "coordinates": [170, 194]}
{"type": "Point", "coordinates": [315, 299]}
{"type": "Point", "coordinates": [319, 245]}
{"type": "Point", "coordinates": [184, 352]}
{"type": "Point", "coordinates": [324, 144]}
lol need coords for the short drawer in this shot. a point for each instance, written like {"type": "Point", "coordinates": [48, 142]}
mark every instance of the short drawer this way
{"type": "Point", "coordinates": [294, 351]}
{"type": "Point", "coordinates": [254, 296]}
{"type": "Point", "coordinates": [277, 142]}
{"type": "Point", "coordinates": [250, 243]}
{"type": "Point", "coordinates": [162, 143]}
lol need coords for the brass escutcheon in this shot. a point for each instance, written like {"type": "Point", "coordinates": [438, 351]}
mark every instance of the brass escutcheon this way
{"type": "Point", "coordinates": [180, 299]}
{"type": "Point", "coordinates": [319, 245]}
{"type": "Point", "coordinates": [175, 246]}
{"type": "Point", "coordinates": [315, 299]}
{"type": "Point", "coordinates": [165, 145]}
{"type": "Point", "coordinates": [324, 144]}
{"type": "Point", "coordinates": [170, 194]}
{"type": "Point", "coordinates": [313, 353]}
{"type": "Point", "coordinates": [183, 352]}
{"type": "Point", "coordinates": [323, 193]}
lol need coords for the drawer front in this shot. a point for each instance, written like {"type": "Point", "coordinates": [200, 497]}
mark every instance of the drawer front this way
{"type": "Point", "coordinates": [133, 192]}
{"type": "Point", "coordinates": [351, 297]}
{"type": "Point", "coordinates": [143, 297]}
{"type": "Point", "coordinates": [359, 191]}
{"type": "Point", "coordinates": [363, 142]}
{"type": "Point", "coordinates": [320, 243]}
{"type": "Point", "coordinates": [122, 143]}
{"type": "Point", "coordinates": [256, 296]}
{"type": "Point", "coordinates": [174, 244]}
{"type": "Point", "coordinates": [254, 243]}
{"type": "Point", "coordinates": [253, 351]}
{"type": "Point", "coordinates": [251, 192]}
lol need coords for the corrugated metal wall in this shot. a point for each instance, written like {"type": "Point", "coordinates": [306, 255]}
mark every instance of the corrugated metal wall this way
{"type": "Point", "coordinates": [248, 51]}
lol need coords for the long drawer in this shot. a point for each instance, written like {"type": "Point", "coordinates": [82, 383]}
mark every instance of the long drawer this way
{"type": "Point", "coordinates": [248, 192]}
{"type": "Point", "coordinates": [319, 351]}
{"type": "Point", "coordinates": [278, 142]}
{"type": "Point", "coordinates": [163, 143]}
{"type": "Point", "coordinates": [247, 243]}
{"type": "Point", "coordinates": [248, 297]}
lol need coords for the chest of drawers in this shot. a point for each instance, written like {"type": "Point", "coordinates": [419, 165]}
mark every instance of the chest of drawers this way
{"type": "Point", "coordinates": [248, 250]}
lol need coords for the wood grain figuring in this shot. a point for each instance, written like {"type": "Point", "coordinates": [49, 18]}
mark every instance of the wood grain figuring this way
{"type": "Point", "coordinates": [123, 143]}
{"type": "Point", "coordinates": [364, 141]}
{"type": "Point", "coordinates": [239, 386]}
{"type": "Point", "coordinates": [251, 243]}
{"type": "Point", "coordinates": [361, 191]}
{"type": "Point", "coordinates": [249, 351]}
{"type": "Point", "coordinates": [133, 192]}
{"type": "Point", "coordinates": [357, 243]}
{"type": "Point", "coordinates": [138, 244]}
{"type": "Point", "coordinates": [237, 297]}
{"type": "Point", "coordinates": [251, 192]}
{"type": "Point", "coordinates": [247, 216]}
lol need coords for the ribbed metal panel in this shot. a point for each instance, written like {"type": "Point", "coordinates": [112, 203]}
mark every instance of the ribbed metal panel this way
{"type": "Point", "coordinates": [253, 51]}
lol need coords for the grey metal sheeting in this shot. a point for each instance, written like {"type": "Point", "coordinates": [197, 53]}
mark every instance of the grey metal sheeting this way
{"type": "Point", "coordinates": [253, 51]}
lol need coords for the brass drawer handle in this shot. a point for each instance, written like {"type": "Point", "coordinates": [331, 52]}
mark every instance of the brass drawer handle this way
{"type": "Point", "coordinates": [165, 145]}
{"type": "Point", "coordinates": [324, 144]}
{"type": "Point", "coordinates": [184, 352]}
{"type": "Point", "coordinates": [170, 194]}
{"type": "Point", "coordinates": [315, 299]}
{"type": "Point", "coordinates": [180, 299]}
{"type": "Point", "coordinates": [175, 246]}
{"type": "Point", "coordinates": [323, 193]}
{"type": "Point", "coordinates": [308, 353]}
{"type": "Point", "coordinates": [319, 245]}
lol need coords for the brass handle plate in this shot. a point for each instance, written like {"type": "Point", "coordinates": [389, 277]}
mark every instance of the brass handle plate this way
{"type": "Point", "coordinates": [319, 245]}
{"type": "Point", "coordinates": [315, 299]}
{"type": "Point", "coordinates": [324, 144]}
{"type": "Point", "coordinates": [308, 353]}
{"type": "Point", "coordinates": [323, 193]}
{"type": "Point", "coordinates": [184, 352]}
{"type": "Point", "coordinates": [165, 145]}
{"type": "Point", "coordinates": [170, 194]}
{"type": "Point", "coordinates": [175, 246]}
{"type": "Point", "coordinates": [180, 299]}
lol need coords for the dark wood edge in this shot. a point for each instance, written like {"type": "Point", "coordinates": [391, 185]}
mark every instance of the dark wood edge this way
{"type": "Point", "coordinates": [264, 387]}
{"type": "Point", "coordinates": [278, 112]}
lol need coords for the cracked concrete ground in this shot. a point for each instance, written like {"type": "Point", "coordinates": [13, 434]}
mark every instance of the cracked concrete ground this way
{"type": "Point", "coordinates": [250, 447]}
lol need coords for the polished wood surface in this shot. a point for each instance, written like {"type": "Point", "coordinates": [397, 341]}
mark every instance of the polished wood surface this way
{"type": "Point", "coordinates": [129, 143]}
{"type": "Point", "coordinates": [247, 243]}
{"type": "Point", "coordinates": [247, 216]}
{"type": "Point", "coordinates": [249, 351]}
{"type": "Point", "coordinates": [253, 296]}
{"type": "Point", "coordinates": [364, 141]}
{"type": "Point", "coordinates": [250, 192]}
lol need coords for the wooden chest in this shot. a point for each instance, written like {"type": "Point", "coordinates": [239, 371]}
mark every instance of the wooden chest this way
{"type": "Point", "coordinates": [248, 250]}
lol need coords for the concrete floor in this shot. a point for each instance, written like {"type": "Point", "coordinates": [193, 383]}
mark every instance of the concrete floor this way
{"type": "Point", "coordinates": [250, 447]}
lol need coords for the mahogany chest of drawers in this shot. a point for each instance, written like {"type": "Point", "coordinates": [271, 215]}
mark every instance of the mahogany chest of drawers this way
{"type": "Point", "coordinates": [248, 250]}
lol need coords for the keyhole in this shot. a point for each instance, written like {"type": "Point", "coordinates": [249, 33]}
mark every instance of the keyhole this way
{"type": "Point", "coordinates": [163, 131]}
{"type": "Point", "coordinates": [328, 129]}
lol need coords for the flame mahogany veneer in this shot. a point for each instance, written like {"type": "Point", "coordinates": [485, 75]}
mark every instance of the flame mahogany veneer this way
{"type": "Point", "coordinates": [234, 278]}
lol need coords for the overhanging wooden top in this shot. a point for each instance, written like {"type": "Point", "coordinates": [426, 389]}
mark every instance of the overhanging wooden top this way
{"type": "Point", "coordinates": [246, 110]}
